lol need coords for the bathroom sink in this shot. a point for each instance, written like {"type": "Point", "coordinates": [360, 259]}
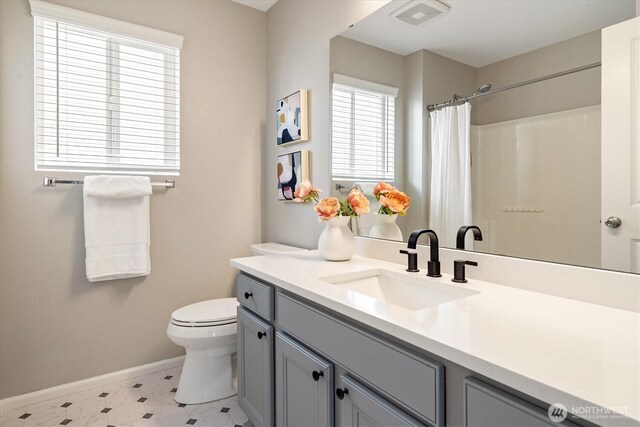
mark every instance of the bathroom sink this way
{"type": "Point", "coordinates": [411, 293]}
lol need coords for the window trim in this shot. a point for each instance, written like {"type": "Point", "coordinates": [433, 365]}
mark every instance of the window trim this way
{"type": "Point", "coordinates": [56, 12]}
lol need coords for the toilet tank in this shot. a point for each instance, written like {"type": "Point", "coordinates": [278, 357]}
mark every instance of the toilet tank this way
{"type": "Point", "coordinates": [272, 248]}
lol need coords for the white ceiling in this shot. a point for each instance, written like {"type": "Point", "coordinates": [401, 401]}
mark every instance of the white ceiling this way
{"type": "Point", "coordinates": [262, 5]}
{"type": "Point", "coordinates": [481, 32]}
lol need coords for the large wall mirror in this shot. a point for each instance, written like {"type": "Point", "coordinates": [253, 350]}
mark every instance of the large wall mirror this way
{"type": "Point", "coordinates": [498, 105]}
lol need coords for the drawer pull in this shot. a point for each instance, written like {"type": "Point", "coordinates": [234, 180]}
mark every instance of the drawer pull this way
{"type": "Point", "coordinates": [248, 295]}
{"type": "Point", "coordinates": [261, 334]}
{"type": "Point", "coordinates": [316, 375]}
{"type": "Point", "coordinates": [341, 392]}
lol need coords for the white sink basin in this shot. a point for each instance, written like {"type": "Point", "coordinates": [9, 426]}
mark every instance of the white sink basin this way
{"type": "Point", "coordinates": [408, 292]}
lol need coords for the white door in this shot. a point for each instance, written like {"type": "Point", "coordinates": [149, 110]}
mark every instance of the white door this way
{"type": "Point", "coordinates": [621, 146]}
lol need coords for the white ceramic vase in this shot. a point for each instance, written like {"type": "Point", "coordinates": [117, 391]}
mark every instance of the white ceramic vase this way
{"type": "Point", "coordinates": [386, 228]}
{"type": "Point", "coordinates": [336, 243]}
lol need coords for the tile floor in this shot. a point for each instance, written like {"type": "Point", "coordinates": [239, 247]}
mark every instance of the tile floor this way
{"type": "Point", "coordinates": [142, 401]}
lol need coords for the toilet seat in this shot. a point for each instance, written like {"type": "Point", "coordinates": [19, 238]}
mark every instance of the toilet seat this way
{"type": "Point", "coordinates": [202, 324]}
{"type": "Point", "coordinates": [215, 312]}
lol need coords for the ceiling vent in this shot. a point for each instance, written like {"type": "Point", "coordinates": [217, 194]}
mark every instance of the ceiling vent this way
{"type": "Point", "coordinates": [417, 12]}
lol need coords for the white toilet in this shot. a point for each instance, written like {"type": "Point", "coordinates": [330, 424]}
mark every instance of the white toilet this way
{"type": "Point", "coordinates": [207, 330]}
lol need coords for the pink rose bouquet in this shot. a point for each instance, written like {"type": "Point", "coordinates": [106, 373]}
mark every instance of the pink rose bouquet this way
{"type": "Point", "coordinates": [357, 202]}
{"type": "Point", "coordinates": [354, 204]}
{"type": "Point", "coordinates": [306, 192]}
{"type": "Point", "coordinates": [381, 189]}
{"type": "Point", "coordinates": [327, 208]}
{"type": "Point", "coordinates": [392, 201]}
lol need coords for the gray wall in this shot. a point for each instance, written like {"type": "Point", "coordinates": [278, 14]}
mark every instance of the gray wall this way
{"type": "Point", "coordinates": [444, 77]}
{"type": "Point", "coordinates": [563, 93]}
{"type": "Point", "coordinates": [415, 144]}
{"type": "Point", "coordinates": [55, 327]}
{"type": "Point", "coordinates": [298, 38]}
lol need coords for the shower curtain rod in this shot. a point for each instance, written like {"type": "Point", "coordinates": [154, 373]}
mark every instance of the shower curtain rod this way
{"type": "Point", "coordinates": [457, 100]}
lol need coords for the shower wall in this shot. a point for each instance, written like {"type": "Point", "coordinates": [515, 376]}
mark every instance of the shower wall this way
{"type": "Point", "coordinates": [536, 155]}
{"type": "Point", "coordinates": [536, 186]}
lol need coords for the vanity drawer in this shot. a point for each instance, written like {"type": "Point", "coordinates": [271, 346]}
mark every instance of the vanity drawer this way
{"type": "Point", "coordinates": [487, 406]}
{"type": "Point", "coordinates": [411, 381]}
{"type": "Point", "coordinates": [256, 296]}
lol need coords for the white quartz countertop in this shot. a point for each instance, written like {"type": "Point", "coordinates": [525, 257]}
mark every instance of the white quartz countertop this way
{"type": "Point", "coordinates": [558, 350]}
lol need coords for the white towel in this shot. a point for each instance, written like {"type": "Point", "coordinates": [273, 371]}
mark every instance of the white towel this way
{"type": "Point", "coordinates": [116, 227]}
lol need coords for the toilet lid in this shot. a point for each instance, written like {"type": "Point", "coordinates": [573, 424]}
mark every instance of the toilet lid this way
{"type": "Point", "coordinates": [214, 311]}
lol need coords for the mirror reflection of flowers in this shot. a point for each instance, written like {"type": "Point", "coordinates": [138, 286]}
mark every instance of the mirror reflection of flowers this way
{"type": "Point", "coordinates": [354, 204]}
{"type": "Point", "coordinates": [392, 201]}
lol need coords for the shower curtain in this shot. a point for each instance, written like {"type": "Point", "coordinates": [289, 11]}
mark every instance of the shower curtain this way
{"type": "Point", "coordinates": [450, 206]}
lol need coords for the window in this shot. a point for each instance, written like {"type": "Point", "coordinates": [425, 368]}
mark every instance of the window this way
{"type": "Point", "coordinates": [104, 101]}
{"type": "Point", "coordinates": [363, 130]}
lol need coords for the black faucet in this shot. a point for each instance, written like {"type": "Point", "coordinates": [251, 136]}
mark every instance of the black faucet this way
{"type": "Point", "coordinates": [462, 232]}
{"type": "Point", "coordinates": [433, 265]}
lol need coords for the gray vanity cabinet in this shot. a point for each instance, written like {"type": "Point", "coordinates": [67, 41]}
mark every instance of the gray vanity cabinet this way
{"type": "Point", "coordinates": [359, 407]}
{"type": "Point", "coordinates": [319, 369]}
{"type": "Point", "coordinates": [255, 368]}
{"type": "Point", "coordinates": [304, 386]}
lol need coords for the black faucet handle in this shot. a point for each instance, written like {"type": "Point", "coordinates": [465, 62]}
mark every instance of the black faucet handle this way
{"type": "Point", "coordinates": [412, 262]}
{"type": "Point", "coordinates": [459, 272]}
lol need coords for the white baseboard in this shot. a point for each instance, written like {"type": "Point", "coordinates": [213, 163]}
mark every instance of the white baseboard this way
{"type": "Point", "coordinates": [101, 380]}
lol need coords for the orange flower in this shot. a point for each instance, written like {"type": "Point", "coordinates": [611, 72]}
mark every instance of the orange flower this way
{"type": "Point", "coordinates": [382, 188]}
{"type": "Point", "coordinates": [327, 208]}
{"type": "Point", "coordinates": [306, 192]}
{"type": "Point", "coordinates": [396, 202]}
{"type": "Point", "coordinates": [359, 203]}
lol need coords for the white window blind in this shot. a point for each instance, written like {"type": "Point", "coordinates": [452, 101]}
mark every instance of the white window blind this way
{"type": "Point", "coordinates": [104, 101]}
{"type": "Point", "coordinates": [363, 130]}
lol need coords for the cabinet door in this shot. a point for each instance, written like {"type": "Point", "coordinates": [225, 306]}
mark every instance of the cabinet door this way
{"type": "Point", "coordinates": [304, 386]}
{"type": "Point", "coordinates": [486, 406]}
{"type": "Point", "coordinates": [361, 407]}
{"type": "Point", "coordinates": [255, 368]}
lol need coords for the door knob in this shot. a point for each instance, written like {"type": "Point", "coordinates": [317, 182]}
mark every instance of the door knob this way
{"type": "Point", "coordinates": [261, 334]}
{"type": "Point", "coordinates": [613, 222]}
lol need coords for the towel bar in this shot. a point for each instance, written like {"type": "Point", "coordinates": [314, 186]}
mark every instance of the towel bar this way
{"type": "Point", "coordinates": [51, 182]}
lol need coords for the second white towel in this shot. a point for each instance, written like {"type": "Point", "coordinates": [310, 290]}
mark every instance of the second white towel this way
{"type": "Point", "coordinates": [116, 227]}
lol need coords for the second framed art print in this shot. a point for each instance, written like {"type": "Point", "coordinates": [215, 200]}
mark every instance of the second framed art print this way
{"type": "Point", "coordinates": [292, 168]}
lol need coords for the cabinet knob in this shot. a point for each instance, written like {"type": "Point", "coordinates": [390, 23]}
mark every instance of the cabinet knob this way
{"type": "Point", "coordinates": [261, 334]}
{"type": "Point", "coordinates": [340, 392]}
{"type": "Point", "coordinates": [248, 295]}
{"type": "Point", "coordinates": [317, 374]}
